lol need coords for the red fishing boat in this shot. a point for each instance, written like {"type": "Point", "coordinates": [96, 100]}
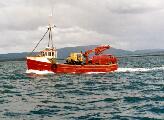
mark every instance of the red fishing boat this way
{"type": "Point", "coordinates": [81, 62]}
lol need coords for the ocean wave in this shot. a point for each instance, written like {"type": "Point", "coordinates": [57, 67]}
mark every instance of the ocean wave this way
{"type": "Point", "coordinates": [39, 72]}
{"type": "Point", "coordinates": [139, 69]}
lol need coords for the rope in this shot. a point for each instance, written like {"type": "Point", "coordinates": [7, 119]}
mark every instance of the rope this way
{"type": "Point", "coordinates": [39, 41]}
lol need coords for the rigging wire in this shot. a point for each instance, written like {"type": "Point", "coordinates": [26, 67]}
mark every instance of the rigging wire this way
{"type": "Point", "coordinates": [40, 41]}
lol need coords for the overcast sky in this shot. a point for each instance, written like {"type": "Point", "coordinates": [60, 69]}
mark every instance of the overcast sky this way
{"type": "Point", "coordinates": [124, 24]}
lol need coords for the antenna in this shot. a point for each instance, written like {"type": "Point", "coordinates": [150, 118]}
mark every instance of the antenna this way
{"type": "Point", "coordinates": [50, 18]}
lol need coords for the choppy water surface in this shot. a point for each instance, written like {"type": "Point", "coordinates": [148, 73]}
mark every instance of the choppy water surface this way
{"type": "Point", "coordinates": [135, 91]}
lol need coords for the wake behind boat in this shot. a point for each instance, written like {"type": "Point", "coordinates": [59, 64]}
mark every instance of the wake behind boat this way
{"type": "Point", "coordinates": [80, 62]}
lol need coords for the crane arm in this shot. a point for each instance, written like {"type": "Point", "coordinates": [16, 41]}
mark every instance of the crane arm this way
{"type": "Point", "coordinates": [98, 50]}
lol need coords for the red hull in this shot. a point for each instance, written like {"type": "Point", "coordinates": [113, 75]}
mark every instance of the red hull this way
{"type": "Point", "coordinates": [66, 68]}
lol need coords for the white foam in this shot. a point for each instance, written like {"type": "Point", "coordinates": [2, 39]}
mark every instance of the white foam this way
{"type": "Point", "coordinates": [139, 69]}
{"type": "Point", "coordinates": [95, 72]}
{"type": "Point", "coordinates": [39, 72]}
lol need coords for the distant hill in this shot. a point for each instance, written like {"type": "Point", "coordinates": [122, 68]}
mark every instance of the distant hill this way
{"type": "Point", "coordinates": [13, 56]}
{"type": "Point", "coordinates": [149, 51]}
{"type": "Point", "coordinates": [64, 52]}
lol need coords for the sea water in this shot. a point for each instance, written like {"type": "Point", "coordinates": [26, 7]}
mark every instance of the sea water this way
{"type": "Point", "coordinates": [134, 92]}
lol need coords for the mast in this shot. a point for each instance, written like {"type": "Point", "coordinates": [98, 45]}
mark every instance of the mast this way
{"type": "Point", "coordinates": [50, 31]}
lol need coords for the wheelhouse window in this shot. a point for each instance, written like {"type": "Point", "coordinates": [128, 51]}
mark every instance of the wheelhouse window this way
{"type": "Point", "coordinates": [52, 53]}
{"type": "Point", "coordinates": [42, 54]}
{"type": "Point", "coordinates": [49, 53]}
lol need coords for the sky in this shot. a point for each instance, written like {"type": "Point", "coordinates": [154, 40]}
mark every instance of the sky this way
{"type": "Point", "coordinates": [123, 24]}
